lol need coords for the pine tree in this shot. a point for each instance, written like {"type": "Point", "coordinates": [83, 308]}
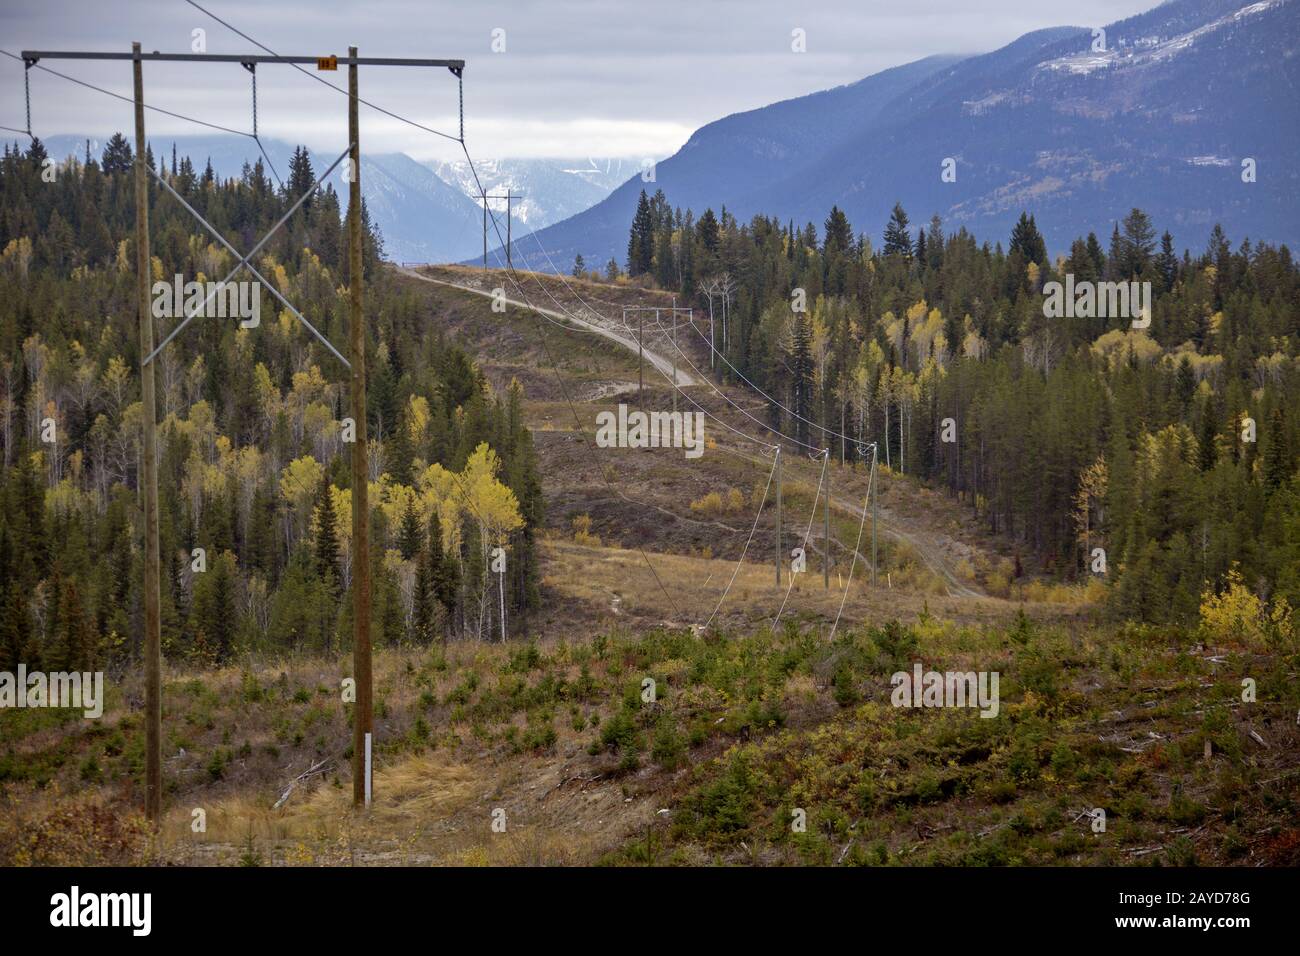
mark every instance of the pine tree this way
{"type": "Point", "coordinates": [934, 244]}
{"type": "Point", "coordinates": [400, 453]}
{"type": "Point", "coordinates": [74, 645]}
{"type": "Point", "coordinates": [301, 179]}
{"type": "Point", "coordinates": [1167, 262]}
{"type": "Point", "coordinates": [444, 578]}
{"type": "Point", "coordinates": [839, 234]}
{"type": "Point", "coordinates": [408, 537]}
{"type": "Point", "coordinates": [1207, 450]}
{"type": "Point", "coordinates": [1277, 456]}
{"type": "Point", "coordinates": [327, 538]}
{"type": "Point", "coordinates": [15, 621]}
{"type": "Point", "coordinates": [801, 374]}
{"type": "Point", "coordinates": [898, 241]}
{"type": "Point", "coordinates": [1184, 383]}
{"type": "Point", "coordinates": [424, 597]}
{"type": "Point", "coordinates": [1137, 245]}
{"type": "Point", "coordinates": [215, 615]}
{"type": "Point", "coordinates": [640, 245]}
{"type": "Point", "coordinates": [706, 231]}
{"type": "Point", "coordinates": [117, 156]}
{"type": "Point", "coordinates": [1096, 254]}
{"type": "Point", "coordinates": [16, 631]}
{"type": "Point", "coordinates": [1028, 241]}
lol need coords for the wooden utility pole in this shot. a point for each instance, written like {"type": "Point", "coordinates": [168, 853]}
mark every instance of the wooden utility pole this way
{"type": "Point", "coordinates": [363, 715]}
{"type": "Point", "coordinates": [875, 507]}
{"type": "Point", "coordinates": [826, 559]}
{"type": "Point", "coordinates": [149, 452]}
{"type": "Point", "coordinates": [148, 469]}
{"type": "Point", "coordinates": [779, 556]}
{"type": "Point", "coordinates": [510, 196]}
{"type": "Point", "coordinates": [640, 359]}
{"type": "Point", "coordinates": [674, 351]}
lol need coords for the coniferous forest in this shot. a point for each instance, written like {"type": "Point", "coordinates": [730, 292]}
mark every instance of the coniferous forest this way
{"type": "Point", "coordinates": [253, 465]}
{"type": "Point", "coordinates": [700, 437]}
{"type": "Point", "coordinates": [1172, 448]}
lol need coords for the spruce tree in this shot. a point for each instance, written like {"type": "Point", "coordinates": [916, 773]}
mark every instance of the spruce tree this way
{"type": "Point", "coordinates": [408, 537]}
{"type": "Point", "coordinates": [801, 375]}
{"type": "Point", "coordinates": [424, 598]}
{"type": "Point", "coordinates": [1277, 456]}
{"type": "Point", "coordinates": [898, 241]}
{"type": "Point", "coordinates": [640, 245]}
{"type": "Point", "coordinates": [327, 538]}
{"type": "Point", "coordinates": [117, 155]}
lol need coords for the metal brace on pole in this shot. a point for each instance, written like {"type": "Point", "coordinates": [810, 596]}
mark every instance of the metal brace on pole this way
{"type": "Point", "coordinates": [245, 264]}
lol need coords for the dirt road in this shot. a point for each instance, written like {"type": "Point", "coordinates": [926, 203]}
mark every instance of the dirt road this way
{"type": "Point", "coordinates": [665, 365]}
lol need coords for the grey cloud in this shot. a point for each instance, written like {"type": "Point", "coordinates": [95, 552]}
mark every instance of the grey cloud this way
{"type": "Point", "coordinates": [570, 67]}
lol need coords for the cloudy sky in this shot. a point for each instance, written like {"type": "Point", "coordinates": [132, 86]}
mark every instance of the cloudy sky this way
{"type": "Point", "coordinates": [598, 78]}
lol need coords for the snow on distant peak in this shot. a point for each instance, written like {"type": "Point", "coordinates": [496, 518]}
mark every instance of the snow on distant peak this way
{"type": "Point", "coordinates": [1148, 50]}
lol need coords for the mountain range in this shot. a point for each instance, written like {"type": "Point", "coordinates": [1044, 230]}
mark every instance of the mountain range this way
{"type": "Point", "coordinates": [427, 212]}
{"type": "Point", "coordinates": [552, 189]}
{"type": "Point", "coordinates": [1168, 111]}
{"type": "Point", "coordinates": [1073, 125]}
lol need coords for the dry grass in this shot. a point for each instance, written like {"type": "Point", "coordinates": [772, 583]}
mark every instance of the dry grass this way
{"type": "Point", "coordinates": [617, 581]}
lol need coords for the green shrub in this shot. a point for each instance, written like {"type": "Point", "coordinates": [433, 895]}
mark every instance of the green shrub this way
{"type": "Point", "coordinates": [668, 748]}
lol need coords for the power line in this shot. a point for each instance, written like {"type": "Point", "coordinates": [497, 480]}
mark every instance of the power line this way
{"type": "Point", "coordinates": [560, 380]}
{"type": "Point", "coordinates": [738, 408]}
{"type": "Point", "coordinates": [871, 482]}
{"type": "Point", "coordinates": [497, 229]}
{"type": "Point", "coordinates": [157, 109]}
{"type": "Point", "coordinates": [337, 89]}
{"type": "Point", "coordinates": [827, 431]}
{"type": "Point", "coordinates": [512, 275]}
{"type": "Point", "coordinates": [127, 99]}
{"type": "Point", "coordinates": [812, 516]}
{"type": "Point", "coordinates": [776, 458]}
{"type": "Point", "coordinates": [586, 304]}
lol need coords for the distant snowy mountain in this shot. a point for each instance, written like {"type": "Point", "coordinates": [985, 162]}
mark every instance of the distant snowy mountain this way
{"type": "Point", "coordinates": [423, 218]}
{"type": "Point", "coordinates": [552, 189]}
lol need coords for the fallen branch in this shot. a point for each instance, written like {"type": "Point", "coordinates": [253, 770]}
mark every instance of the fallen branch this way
{"type": "Point", "coordinates": [1144, 850]}
{"type": "Point", "coordinates": [318, 767]}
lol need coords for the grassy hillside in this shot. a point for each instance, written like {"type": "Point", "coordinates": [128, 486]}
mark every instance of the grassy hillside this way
{"type": "Point", "coordinates": [548, 750]}
{"type": "Point", "coordinates": [1147, 724]}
